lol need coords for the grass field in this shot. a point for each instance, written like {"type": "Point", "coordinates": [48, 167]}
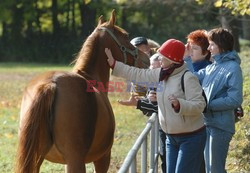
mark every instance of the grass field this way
{"type": "Point", "coordinates": [129, 122]}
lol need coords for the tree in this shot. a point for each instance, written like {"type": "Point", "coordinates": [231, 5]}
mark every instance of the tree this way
{"type": "Point", "coordinates": [55, 22]}
{"type": "Point", "coordinates": [246, 27]}
{"type": "Point", "coordinates": [230, 16]}
{"type": "Point", "coordinates": [88, 17]}
{"type": "Point", "coordinates": [241, 7]}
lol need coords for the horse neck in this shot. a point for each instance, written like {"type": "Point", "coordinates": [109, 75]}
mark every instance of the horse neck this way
{"type": "Point", "coordinates": [94, 66]}
{"type": "Point", "coordinates": [92, 59]}
{"type": "Point", "coordinates": [101, 70]}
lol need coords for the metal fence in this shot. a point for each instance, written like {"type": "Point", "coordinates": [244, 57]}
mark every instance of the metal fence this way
{"type": "Point", "coordinates": [129, 164]}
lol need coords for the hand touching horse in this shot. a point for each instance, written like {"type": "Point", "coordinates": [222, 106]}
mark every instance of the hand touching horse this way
{"type": "Point", "coordinates": [60, 121]}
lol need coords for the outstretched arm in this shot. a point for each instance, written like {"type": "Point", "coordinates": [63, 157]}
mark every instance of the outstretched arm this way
{"type": "Point", "coordinates": [143, 76]}
{"type": "Point", "coordinates": [131, 102]}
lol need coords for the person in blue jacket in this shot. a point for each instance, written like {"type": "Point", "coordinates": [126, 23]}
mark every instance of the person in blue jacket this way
{"type": "Point", "coordinates": [197, 57]}
{"type": "Point", "coordinates": [222, 83]}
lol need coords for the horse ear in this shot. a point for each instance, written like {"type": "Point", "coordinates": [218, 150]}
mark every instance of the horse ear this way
{"type": "Point", "coordinates": [100, 20]}
{"type": "Point", "coordinates": [112, 18]}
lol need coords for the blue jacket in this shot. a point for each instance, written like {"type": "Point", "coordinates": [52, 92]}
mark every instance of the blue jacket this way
{"type": "Point", "coordinates": [222, 83]}
{"type": "Point", "coordinates": [196, 66]}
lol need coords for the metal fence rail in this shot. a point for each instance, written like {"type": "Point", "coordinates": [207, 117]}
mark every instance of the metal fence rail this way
{"type": "Point", "coordinates": [129, 163]}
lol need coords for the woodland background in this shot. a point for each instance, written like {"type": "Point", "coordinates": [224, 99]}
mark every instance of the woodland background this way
{"type": "Point", "coordinates": [53, 31]}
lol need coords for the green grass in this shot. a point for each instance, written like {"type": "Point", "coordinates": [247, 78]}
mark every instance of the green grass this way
{"type": "Point", "coordinates": [239, 151]}
{"type": "Point", "coordinates": [129, 122]}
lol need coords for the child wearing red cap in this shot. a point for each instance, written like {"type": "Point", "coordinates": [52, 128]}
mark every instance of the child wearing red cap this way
{"type": "Point", "coordinates": [180, 114]}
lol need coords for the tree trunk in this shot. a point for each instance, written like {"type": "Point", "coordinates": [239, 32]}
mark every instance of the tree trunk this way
{"type": "Point", "coordinates": [29, 31]}
{"type": "Point", "coordinates": [67, 14]}
{"type": "Point", "coordinates": [88, 16]}
{"type": "Point", "coordinates": [124, 17]}
{"type": "Point", "coordinates": [4, 32]}
{"type": "Point", "coordinates": [55, 22]}
{"type": "Point", "coordinates": [246, 27]}
{"type": "Point", "coordinates": [17, 23]}
{"type": "Point", "coordinates": [73, 18]}
{"type": "Point", "coordinates": [230, 22]}
{"type": "Point", "coordinates": [37, 20]}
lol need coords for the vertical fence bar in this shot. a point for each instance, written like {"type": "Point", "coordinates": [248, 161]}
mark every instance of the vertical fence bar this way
{"type": "Point", "coordinates": [133, 166]}
{"type": "Point", "coordinates": [144, 156]}
{"type": "Point", "coordinates": [152, 147]}
{"type": "Point", "coordinates": [156, 127]}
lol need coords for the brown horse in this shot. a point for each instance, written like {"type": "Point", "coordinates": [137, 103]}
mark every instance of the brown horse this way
{"type": "Point", "coordinates": [64, 123]}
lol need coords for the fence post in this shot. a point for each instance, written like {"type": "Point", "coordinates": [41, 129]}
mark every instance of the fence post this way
{"type": "Point", "coordinates": [133, 166]}
{"type": "Point", "coordinates": [156, 127]}
{"type": "Point", "coordinates": [152, 147]}
{"type": "Point", "coordinates": [144, 156]}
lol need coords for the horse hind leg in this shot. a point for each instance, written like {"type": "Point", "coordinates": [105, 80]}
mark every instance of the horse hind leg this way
{"type": "Point", "coordinates": [39, 163]}
{"type": "Point", "coordinates": [102, 165]}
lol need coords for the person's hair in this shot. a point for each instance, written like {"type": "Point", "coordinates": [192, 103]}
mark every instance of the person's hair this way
{"type": "Point", "coordinates": [200, 38]}
{"type": "Point", "coordinates": [223, 38]}
{"type": "Point", "coordinates": [152, 43]}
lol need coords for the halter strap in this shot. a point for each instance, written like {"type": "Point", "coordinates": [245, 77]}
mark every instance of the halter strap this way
{"type": "Point", "coordinates": [124, 49]}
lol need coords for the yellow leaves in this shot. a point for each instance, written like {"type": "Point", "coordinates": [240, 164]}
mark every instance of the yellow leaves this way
{"type": "Point", "coordinates": [13, 117]}
{"type": "Point", "coordinates": [44, 4]}
{"type": "Point", "coordinates": [87, 1]}
{"type": "Point", "coordinates": [237, 7]}
{"type": "Point", "coordinates": [218, 3]}
{"type": "Point", "coordinates": [8, 135]}
{"type": "Point", "coordinates": [5, 103]}
{"type": "Point", "coordinates": [241, 7]}
{"type": "Point", "coordinates": [121, 1]}
{"type": "Point", "coordinates": [200, 2]}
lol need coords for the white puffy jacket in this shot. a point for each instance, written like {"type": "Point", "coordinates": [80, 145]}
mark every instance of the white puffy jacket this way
{"type": "Point", "coordinates": [192, 103]}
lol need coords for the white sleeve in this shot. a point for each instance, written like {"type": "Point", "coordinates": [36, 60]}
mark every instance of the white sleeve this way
{"type": "Point", "coordinates": [136, 74]}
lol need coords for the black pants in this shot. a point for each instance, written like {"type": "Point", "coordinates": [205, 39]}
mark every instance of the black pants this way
{"type": "Point", "coordinates": [203, 168]}
{"type": "Point", "coordinates": [163, 150]}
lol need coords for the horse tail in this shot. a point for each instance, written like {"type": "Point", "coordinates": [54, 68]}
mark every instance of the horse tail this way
{"type": "Point", "coordinates": [35, 138]}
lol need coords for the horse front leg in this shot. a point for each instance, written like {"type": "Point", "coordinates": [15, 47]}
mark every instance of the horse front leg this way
{"type": "Point", "coordinates": [75, 167]}
{"type": "Point", "coordinates": [102, 165]}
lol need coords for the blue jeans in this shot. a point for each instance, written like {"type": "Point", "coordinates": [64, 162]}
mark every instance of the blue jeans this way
{"type": "Point", "coordinates": [216, 149]}
{"type": "Point", "coordinates": [184, 153]}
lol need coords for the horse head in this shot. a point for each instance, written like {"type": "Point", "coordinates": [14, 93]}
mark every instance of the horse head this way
{"type": "Point", "coordinates": [92, 60]}
{"type": "Point", "coordinates": [117, 39]}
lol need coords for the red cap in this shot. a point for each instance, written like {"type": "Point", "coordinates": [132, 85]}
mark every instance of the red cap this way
{"type": "Point", "coordinates": [173, 50]}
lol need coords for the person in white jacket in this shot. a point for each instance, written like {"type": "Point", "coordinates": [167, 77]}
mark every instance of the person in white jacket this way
{"type": "Point", "coordinates": [180, 113]}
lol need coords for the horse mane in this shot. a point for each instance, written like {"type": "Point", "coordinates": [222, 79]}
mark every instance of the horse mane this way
{"type": "Point", "coordinates": [86, 59]}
